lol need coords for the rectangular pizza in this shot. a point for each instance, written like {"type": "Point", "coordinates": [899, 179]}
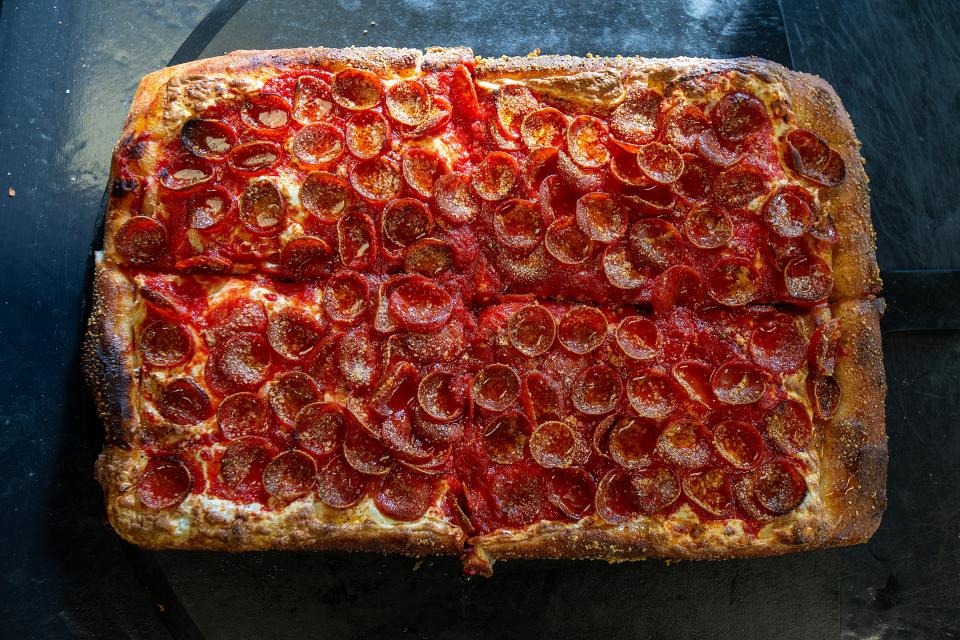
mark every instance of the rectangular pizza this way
{"type": "Point", "coordinates": [547, 307]}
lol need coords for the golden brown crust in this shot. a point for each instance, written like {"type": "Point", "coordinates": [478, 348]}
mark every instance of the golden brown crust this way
{"type": "Point", "coordinates": [107, 350]}
{"type": "Point", "coordinates": [854, 455]}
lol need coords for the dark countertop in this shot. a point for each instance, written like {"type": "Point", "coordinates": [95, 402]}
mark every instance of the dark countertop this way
{"type": "Point", "coordinates": [69, 71]}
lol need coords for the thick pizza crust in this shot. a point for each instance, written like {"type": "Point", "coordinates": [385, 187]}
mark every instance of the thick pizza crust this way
{"type": "Point", "coordinates": [849, 497]}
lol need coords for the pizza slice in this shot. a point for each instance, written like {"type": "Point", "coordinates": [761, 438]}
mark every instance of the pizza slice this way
{"type": "Point", "coordinates": [539, 307]}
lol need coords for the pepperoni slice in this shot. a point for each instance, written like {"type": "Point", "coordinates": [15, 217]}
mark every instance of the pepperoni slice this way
{"type": "Point", "coordinates": [708, 227]}
{"type": "Point", "coordinates": [620, 269]}
{"type": "Point", "coordinates": [684, 443]}
{"type": "Point", "coordinates": [655, 242]}
{"type": "Point", "coordinates": [813, 159]}
{"type": "Point", "coordinates": [239, 315]}
{"type": "Point", "coordinates": [506, 437]}
{"type": "Point", "coordinates": [242, 414]}
{"type": "Point", "coordinates": [318, 144]}
{"type": "Point", "coordinates": [825, 347]}
{"type": "Point", "coordinates": [208, 208]}
{"type": "Point", "coordinates": [737, 382]}
{"type": "Point", "coordinates": [789, 427]}
{"type": "Point", "coordinates": [579, 179]}
{"type": "Point", "coordinates": [738, 115]}
{"type": "Point", "coordinates": [572, 491]}
{"type": "Point", "coordinates": [244, 361]}
{"type": "Point", "coordinates": [788, 211]}
{"type": "Point", "coordinates": [597, 390]}
{"type": "Point", "coordinates": [356, 240]}
{"type": "Point", "coordinates": [738, 443]}
{"type": "Point", "coordinates": [397, 390]}
{"type": "Point", "coordinates": [739, 186]}
{"type": "Point", "coordinates": [345, 297]}
{"type": "Point", "coordinates": [290, 393]}
{"type": "Point", "coordinates": [440, 112]}
{"type": "Point", "coordinates": [625, 168]}
{"type": "Point", "coordinates": [408, 102]}
{"type": "Point", "coordinates": [653, 200]}
{"type": "Point", "coordinates": [262, 208]}
{"type": "Point", "coordinates": [436, 432]}
{"type": "Point", "coordinates": [632, 442]}
{"type": "Point", "coordinates": [660, 162]}
{"type": "Point", "coordinates": [182, 401]}
{"type": "Point", "coordinates": [420, 305]}
{"type": "Point", "coordinates": [496, 387]}
{"type": "Point", "coordinates": [808, 278]}
{"type": "Point", "coordinates": [405, 495]}
{"type": "Point", "coordinates": [710, 491]}
{"type": "Point", "coordinates": [779, 487]}
{"type": "Point", "coordinates": [165, 485]}
{"type": "Point", "coordinates": [405, 220]}
{"type": "Point", "coordinates": [398, 435]}
{"type": "Point", "coordinates": [678, 286]}
{"type": "Point", "coordinates": [513, 103]}
{"type": "Point", "coordinates": [165, 344]}
{"type": "Point", "coordinates": [543, 128]}
{"type": "Point", "coordinates": [634, 121]}
{"type": "Point", "coordinates": [587, 142]}
{"type": "Point", "coordinates": [265, 111]}
{"type": "Point", "coordinates": [656, 489]}
{"type": "Point", "coordinates": [290, 475]}
{"type": "Point", "coordinates": [325, 196]}
{"type": "Point", "coordinates": [357, 358]}
{"type": "Point", "coordinates": [777, 345]}
{"type": "Point", "coordinates": [542, 396]}
{"type": "Point", "coordinates": [421, 169]}
{"type": "Point", "coordinates": [293, 333]}
{"type": "Point", "coordinates": [638, 338]}
{"type": "Point", "coordinates": [339, 485]}
{"type": "Point", "coordinates": [495, 176]}
{"type": "Point", "coordinates": [204, 264]}
{"type": "Point", "coordinates": [531, 330]}
{"type": "Point", "coordinates": [733, 282]}
{"type": "Point", "coordinates": [366, 134]}
{"type": "Point", "coordinates": [454, 198]}
{"type": "Point", "coordinates": [566, 242]}
{"type": "Point", "coordinates": [311, 100]}
{"type": "Point", "coordinates": [306, 258]}
{"type": "Point", "coordinates": [441, 396]}
{"type": "Point", "coordinates": [600, 217]}
{"type": "Point", "coordinates": [519, 497]}
{"type": "Point", "coordinates": [652, 395]}
{"type": "Point", "coordinates": [582, 329]}
{"type": "Point", "coordinates": [714, 151]}
{"type": "Point", "coordinates": [356, 89]}
{"type": "Point", "coordinates": [141, 240]}
{"type": "Point", "coordinates": [826, 396]}
{"type": "Point", "coordinates": [553, 444]}
{"type": "Point", "coordinates": [696, 181]}
{"type": "Point", "coordinates": [463, 95]}
{"type": "Point", "coordinates": [616, 498]}
{"type": "Point", "coordinates": [207, 138]}
{"type": "Point", "coordinates": [429, 257]}
{"type": "Point", "coordinates": [365, 453]}
{"type": "Point", "coordinates": [254, 157]}
{"type": "Point", "coordinates": [499, 139]}
{"type": "Point", "coordinates": [377, 180]}
{"type": "Point", "coordinates": [683, 125]}
{"type": "Point", "coordinates": [185, 172]}
{"type": "Point", "coordinates": [519, 225]}
{"type": "Point", "coordinates": [694, 377]}
{"type": "Point", "coordinates": [320, 426]}
{"type": "Point", "coordinates": [242, 465]}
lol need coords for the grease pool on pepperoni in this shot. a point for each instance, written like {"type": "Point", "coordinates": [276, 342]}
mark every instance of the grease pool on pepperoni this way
{"type": "Point", "coordinates": [209, 207]}
{"type": "Point", "coordinates": [777, 344]}
{"type": "Point", "coordinates": [377, 180]}
{"type": "Point", "coordinates": [292, 332]}
{"type": "Point", "coordinates": [737, 382]}
{"type": "Point", "coordinates": [183, 401]}
{"type": "Point", "coordinates": [739, 186]}
{"type": "Point", "coordinates": [779, 487]}
{"type": "Point", "coordinates": [263, 208]}
{"type": "Point", "coordinates": [739, 115]}
{"type": "Point", "coordinates": [253, 157]}
{"type": "Point", "coordinates": [597, 390]}
{"type": "Point", "coordinates": [243, 361]}
{"type": "Point", "coordinates": [356, 89]}
{"type": "Point", "coordinates": [325, 196]}
{"type": "Point", "coordinates": [655, 242]}
{"type": "Point", "coordinates": [600, 217]}
{"type": "Point", "coordinates": [553, 444]}
{"type": "Point", "coordinates": [572, 491]}
{"type": "Point", "coordinates": [542, 396]}
{"type": "Point", "coordinates": [660, 162]}
{"type": "Point", "coordinates": [320, 427]}
{"type": "Point", "coordinates": [318, 144]}
{"type": "Point", "coordinates": [289, 393]}
{"type": "Point", "coordinates": [634, 121]}
{"type": "Point", "coordinates": [789, 427]}
{"type": "Point", "coordinates": [496, 387]}
{"type": "Point", "coordinates": [532, 330]}
{"type": "Point", "coordinates": [408, 103]}
{"type": "Point", "coordinates": [356, 240]}
{"type": "Point", "coordinates": [441, 396]}
{"type": "Point", "coordinates": [211, 139]}
{"type": "Point", "coordinates": [582, 329]}
{"type": "Point", "coordinates": [455, 199]}
{"type": "Point", "coordinates": [519, 225]}
{"type": "Point", "coordinates": [566, 242]}
{"type": "Point", "coordinates": [620, 269]}
{"type": "Point", "coordinates": [366, 134]}
{"type": "Point", "coordinates": [404, 221]}
{"type": "Point", "coordinates": [339, 485]}
{"type": "Point", "coordinates": [290, 475]}
{"type": "Point", "coordinates": [632, 442]}
{"type": "Point", "coordinates": [421, 169]}
{"type": "Point", "coordinates": [543, 128]}
{"type": "Point", "coordinates": [242, 464]}
{"type": "Point", "coordinates": [164, 485]}
{"type": "Point", "coordinates": [694, 377]}
{"type": "Point", "coordinates": [513, 102]}
{"type": "Point", "coordinates": [306, 258]}
{"type": "Point", "coordinates": [184, 172]}
{"type": "Point", "coordinates": [789, 211]}
{"type": "Point", "coordinates": [813, 159]}
{"type": "Point", "coordinates": [696, 181]}
{"type": "Point", "coordinates": [366, 454]}
{"type": "Point", "coordinates": [678, 286]}
{"type": "Point", "coordinates": [141, 240]}
{"type": "Point", "coordinates": [405, 495]}
{"type": "Point", "coordinates": [397, 389]}
{"type": "Point", "coordinates": [684, 443]}
{"type": "Point", "coordinates": [420, 304]}
{"type": "Point", "coordinates": [733, 282]}
{"type": "Point", "coordinates": [346, 296]}
{"type": "Point", "coordinates": [683, 125]}
{"type": "Point", "coordinates": [616, 499]}
{"type": "Point", "coordinates": [710, 490]}
{"type": "Point", "coordinates": [265, 112]}
{"type": "Point", "coordinates": [808, 278]}
{"type": "Point", "coordinates": [494, 177]}
{"type": "Point", "coordinates": [652, 394]}
{"type": "Point", "coordinates": [165, 344]}
{"type": "Point", "coordinates": [505, 437]}
{"type": "Point", "coordinates": [242, 414]}
{"type": "Point", "coordinates": [638, 337]}
{"type": "Point", "coordinates": [708, 227]}
{"type": "Point", "coordinates": [739, 443]}
{"type": "Point", "coordinates": [311, 100]}
{"type": "Point", "coordinates": [429, 257]}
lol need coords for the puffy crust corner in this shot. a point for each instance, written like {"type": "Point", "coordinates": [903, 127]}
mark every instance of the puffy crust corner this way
{"type": "Point", "coordinates": [107, 354]}
{"type": "Point", "coordinates": [854, 467]}
{"type": "Point", "coordinates": [817, 107]}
